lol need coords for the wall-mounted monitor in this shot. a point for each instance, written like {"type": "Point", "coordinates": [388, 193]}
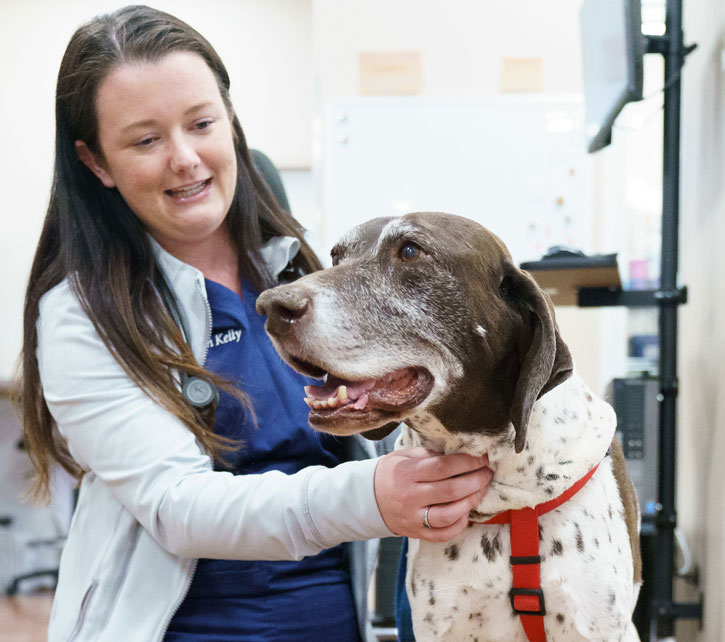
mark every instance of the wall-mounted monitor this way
{"type": "Point", "coordinates": [612, 52]}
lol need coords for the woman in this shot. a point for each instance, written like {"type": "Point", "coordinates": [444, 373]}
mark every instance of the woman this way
{"type": "Point", "coordinates": [158, 238]}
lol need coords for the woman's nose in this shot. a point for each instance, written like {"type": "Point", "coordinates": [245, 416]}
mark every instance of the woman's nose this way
{"type": "Point", "coordinates": [183, 155]}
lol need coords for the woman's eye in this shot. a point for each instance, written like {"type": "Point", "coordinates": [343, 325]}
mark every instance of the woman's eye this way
{"type": "Point", "coordinates": [204, 124]}
{"type": "Point", "coordinates": [409, 252]}
{"type": "Point", "coordinates": [144, 142]}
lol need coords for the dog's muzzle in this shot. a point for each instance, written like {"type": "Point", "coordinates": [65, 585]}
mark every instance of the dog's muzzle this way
{"type": "Point", "coordinates": [284, 308]}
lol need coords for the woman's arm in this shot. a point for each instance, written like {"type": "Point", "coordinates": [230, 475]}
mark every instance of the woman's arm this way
{"type": "Point", "coordinates": [153, 465]}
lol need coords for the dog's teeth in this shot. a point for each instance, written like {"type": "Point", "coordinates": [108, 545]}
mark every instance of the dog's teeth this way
{"type": "Point", "coordinates": [342, 393]}
{"type": "Point", "coordinates": [331, 402]}
{"type": "Point", "coordinates": [307, 390]}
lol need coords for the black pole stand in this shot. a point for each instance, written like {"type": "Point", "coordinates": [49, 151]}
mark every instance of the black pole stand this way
{"type": "Point", "coordinates": [662, 608]}
{"type": "Point", "coordinates": [656, 598]}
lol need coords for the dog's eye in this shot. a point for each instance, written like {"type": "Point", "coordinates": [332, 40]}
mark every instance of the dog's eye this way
{"type": "Point", "coordinates": [335, 256]}
{"type": "Point", "coordinates": [409, 252]}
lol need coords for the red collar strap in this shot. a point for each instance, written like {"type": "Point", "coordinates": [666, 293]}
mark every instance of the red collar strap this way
{"type": "Point", "coordinates": [527, 598]}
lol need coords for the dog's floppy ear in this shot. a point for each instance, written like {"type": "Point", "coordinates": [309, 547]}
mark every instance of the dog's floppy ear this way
{"type": "Point", "coordinates": [546, 360]}
{"type": "Point", "coordinates": [380, 433]}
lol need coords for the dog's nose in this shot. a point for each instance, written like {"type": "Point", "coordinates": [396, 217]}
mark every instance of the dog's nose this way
{"type": "Point", "coordinates": [283, 308]}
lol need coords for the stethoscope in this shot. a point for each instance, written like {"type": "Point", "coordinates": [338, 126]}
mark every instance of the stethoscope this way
{"type": "Point", "coordinates": [199, 392]}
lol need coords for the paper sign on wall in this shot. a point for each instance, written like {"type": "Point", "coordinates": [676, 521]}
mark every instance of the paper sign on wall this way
{"type": "Point", "coordinates": [394, 73]}
{"type": "Point", "coordinates": [522, 75]}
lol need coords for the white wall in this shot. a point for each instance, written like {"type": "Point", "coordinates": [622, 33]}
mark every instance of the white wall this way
{"type": "Point", "coordinates": [462, 41]}
{"type": "Point", "coordinates": [265, 44]}
{"type": "Point", "coordinates": [701, 446]}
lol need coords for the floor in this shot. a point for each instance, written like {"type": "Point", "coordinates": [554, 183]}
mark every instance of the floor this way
{"type": "Point", "coordinates": [24, 618]}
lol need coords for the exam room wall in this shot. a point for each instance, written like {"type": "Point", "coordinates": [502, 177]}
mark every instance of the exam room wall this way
{"type": "Point", "coordinates": [701, 445]}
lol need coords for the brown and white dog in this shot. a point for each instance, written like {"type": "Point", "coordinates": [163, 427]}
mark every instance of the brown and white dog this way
{"type": "Point", "coordinates": [424, 319]}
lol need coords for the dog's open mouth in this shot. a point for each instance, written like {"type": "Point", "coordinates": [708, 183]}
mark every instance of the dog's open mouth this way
{"type": "Point", "coordinates": [342, 400]}
{"type": "Point", "coordinates": [399, 390]}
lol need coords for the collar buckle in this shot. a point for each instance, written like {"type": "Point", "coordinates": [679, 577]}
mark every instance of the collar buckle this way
{"type": "Point", "coordinates": [529, 602]}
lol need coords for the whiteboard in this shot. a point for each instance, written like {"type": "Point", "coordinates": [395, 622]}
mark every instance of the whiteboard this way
{"type": "Point", "coordinates": [516, 164]}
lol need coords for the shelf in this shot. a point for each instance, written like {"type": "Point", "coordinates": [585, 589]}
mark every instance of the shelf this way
{"type": "Point", "coordinates": [606, 297]}
{"type": "Point", "coordinates": [564, 278]}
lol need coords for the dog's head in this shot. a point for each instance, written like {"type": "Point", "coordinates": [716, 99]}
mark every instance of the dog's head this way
{"type": "Point", "coordinates": [422, 312]}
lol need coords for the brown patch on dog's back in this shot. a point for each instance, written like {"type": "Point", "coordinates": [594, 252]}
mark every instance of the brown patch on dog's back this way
{"type": "Point", "coordinates": [630, 503]}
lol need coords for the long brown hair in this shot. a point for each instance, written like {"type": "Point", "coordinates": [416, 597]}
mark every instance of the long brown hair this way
{"type": "Point", "coordinates": [91, 237]}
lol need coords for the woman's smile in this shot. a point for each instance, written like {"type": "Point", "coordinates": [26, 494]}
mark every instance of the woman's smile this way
{"type": "Point", "coordinates": [190, 193]}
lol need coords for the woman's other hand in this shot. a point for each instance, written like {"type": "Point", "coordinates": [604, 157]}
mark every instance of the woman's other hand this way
{"type": "Point", "coordinates": [408, 482]}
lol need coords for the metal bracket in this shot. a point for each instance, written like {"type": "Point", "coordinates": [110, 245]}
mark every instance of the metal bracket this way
{"type": "Point", "coordinates": [681, 610]}
{"type": "Point", "coordinates": [666, 520]}
{"type": "Point", "coordinates": [676, 296]}
{"type": "Point", "coordinates": [669, 386]}
{"type": "Point", "coordinates": [661, 45]}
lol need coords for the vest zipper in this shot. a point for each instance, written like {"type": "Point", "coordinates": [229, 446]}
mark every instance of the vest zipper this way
{"type": "Point", "coordinates": [190, 576]}
{"type": "Point", "coordinates": [208, 323]}
{"type": "Point", "coordinates": [179, 602]}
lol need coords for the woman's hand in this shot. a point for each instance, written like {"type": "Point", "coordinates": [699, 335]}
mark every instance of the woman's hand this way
{"type": "Point", "coordinates": [408, 482]}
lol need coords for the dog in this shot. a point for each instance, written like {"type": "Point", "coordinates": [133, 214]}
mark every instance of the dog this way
{"type": "Point", "coordinates": [425, 320]}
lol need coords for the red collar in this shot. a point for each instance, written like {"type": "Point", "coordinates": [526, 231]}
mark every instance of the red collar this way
{"type": "Point", "coordinates": [527, 598]}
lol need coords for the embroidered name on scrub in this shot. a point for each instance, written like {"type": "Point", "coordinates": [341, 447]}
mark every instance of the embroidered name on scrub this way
{"type": "Point", "coordinates": [222, 338]}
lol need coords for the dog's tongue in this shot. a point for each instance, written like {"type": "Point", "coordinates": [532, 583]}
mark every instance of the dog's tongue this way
{"type": "Point", "coordinates": [355, 390]}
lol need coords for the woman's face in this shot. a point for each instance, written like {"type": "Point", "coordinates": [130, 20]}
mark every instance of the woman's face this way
{"type": "Point", "coordinates": [166, 143]}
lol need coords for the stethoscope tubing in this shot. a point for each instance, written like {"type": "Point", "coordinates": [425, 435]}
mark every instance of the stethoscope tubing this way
{"type": "Point", "coordinates": [199, 392]}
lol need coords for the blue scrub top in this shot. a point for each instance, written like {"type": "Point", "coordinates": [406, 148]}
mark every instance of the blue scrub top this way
{"type": "Point", "coordinates": [259, 601]}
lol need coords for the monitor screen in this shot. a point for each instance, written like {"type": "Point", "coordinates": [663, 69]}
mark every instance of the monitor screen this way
{"type": "Point", "coordinates": [612, 52]}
